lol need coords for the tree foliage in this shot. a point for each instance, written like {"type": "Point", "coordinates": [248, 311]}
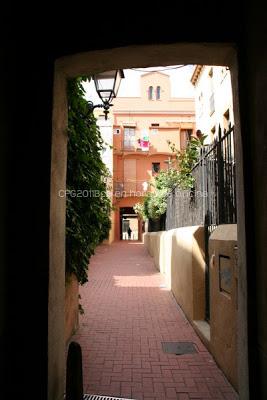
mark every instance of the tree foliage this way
{"type": "Point", "coordinates": [179, 174]}
{"type": "Point", "coordinates": [167, 179]}
{"type": "Point", "coordinates": [155, 203]}
{"type": "Point", "coordinates": [139, 210]}
{"type": "Point", "coordinates": [88, 205]}
{"type": "Point", "coordinates": [185, 160]}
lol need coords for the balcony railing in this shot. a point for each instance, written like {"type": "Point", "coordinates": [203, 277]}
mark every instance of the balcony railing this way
{"type": "Point", "coordinates": [129, 143]}
{"type": "Point", "coordinates": [131, 188]}
{"type": "Point", "coordinates": [132, 144]}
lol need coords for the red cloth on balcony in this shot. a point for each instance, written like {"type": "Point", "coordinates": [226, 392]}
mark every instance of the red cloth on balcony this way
{"type": "Point", "coordinates": [144, 143]}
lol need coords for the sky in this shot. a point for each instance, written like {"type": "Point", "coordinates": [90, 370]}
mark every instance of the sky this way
{"type": "Point", "coordinates": [129, 87]}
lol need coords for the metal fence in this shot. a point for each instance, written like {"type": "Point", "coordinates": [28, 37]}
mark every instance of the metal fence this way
{"type": "Point", "coordinates": [212, 201]}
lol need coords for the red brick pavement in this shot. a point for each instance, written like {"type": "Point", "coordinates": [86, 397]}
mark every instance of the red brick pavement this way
{"type": "Point", "coordinates": [128, 313]}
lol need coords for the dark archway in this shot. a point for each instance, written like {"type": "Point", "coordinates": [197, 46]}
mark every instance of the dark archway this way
{"type": "Point", "coordinates": [86, 64]}
{"type": "Point", "coordinates": [31, 44]}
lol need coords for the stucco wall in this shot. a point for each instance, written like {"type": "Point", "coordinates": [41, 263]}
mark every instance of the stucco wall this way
{"type": "Point", "coordinates": [155, 248]}
{"type": "Point", "coordinates": [223, 305]}
{"type": "Point", "coordinates": [71, 306]}
{"type": "Point", "coordinates": [179, 254]}
{"type": "Point", "coordinates": [188, 270]}
{"type": "Point", "coordinates": [167, 257]}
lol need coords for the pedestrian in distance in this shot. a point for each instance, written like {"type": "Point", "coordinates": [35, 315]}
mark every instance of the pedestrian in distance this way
{"type": "Point", "coordinates": [129, 233]}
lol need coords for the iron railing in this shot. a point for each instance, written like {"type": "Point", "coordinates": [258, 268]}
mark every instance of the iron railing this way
{"type": "Point", "coordinates": [212, 201]}
{"type": "Point", "coordinates": [131, 187]}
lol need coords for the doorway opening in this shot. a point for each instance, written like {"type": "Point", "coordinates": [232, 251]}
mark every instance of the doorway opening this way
{"type": "Point", "coordinates": [129, 224]}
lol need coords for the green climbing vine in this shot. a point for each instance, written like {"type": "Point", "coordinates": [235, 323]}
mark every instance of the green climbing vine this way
{"type": "Point", "coordinates": [88, 204]}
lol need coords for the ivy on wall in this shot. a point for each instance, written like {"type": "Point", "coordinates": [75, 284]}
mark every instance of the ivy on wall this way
{"type": "Point", "coordinates": [88, 204]}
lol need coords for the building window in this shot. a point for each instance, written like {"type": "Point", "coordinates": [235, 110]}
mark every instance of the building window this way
{"type": "Point", "coordinates": [155, 168]}
{"type": "Point", "coordinates": [212, 104]}
{"type": "Point", "coordinates": [116, 131]}
{"type": "Point", "coordinates": [226, 120]}
{"type": "Point", "coordinates": [211, 99]}
{"type": "Point", "coordinates": [185, 137]}
{"type": "Point", "coordinates": [129, 138]}
{"type": "Point", "coordinates": [158, 93]}
{"type": "Point", "coordinates": [150, 93]}
{"type": "Point", "coordinates": [189, 133]}
{"type": "Point", "coordinates": [200, 104]}
{"type": "Point", "coordinates": [154, 130]}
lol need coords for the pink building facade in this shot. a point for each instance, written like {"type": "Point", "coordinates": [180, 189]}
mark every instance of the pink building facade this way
{"type": "Point", "coordinates": [141, 131]}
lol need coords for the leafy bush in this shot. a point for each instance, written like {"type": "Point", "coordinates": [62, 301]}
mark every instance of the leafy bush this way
{"type": "Point", "coordinates": [167, 179]}
{"type": "Point", "coordinates": [139, 210]}
{"type": "Point", "coordinates": [177, 175]}
{"type": "Point", "coordinates": [87, 216]}
{"type": "Point", "coordinates": [185, 161]}
{"type": "Point", "coordinates": [155, 204]}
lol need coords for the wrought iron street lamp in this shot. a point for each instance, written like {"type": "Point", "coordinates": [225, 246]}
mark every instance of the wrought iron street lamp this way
{"type": "Point", "coordinates": [107, 85]}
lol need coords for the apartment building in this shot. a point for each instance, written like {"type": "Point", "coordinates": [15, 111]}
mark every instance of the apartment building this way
{"type": "Point", "coordinates": [213, 99]}
{"type": "Point", "coordinates": [142, 127]}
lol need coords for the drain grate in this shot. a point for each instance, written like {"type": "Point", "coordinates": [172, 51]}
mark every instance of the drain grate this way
{"type": "Point", "coordinates": [97, 397]}
{"type": "Point", "coordinates": [179, 348]}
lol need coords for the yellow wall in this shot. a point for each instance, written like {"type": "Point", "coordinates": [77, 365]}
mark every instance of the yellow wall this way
{"type": "Point", "coordinates": [223, 307]}
{"type": "Point", "coordinates": [71, 306]}
{"type": "Point", "coordinates": [179, 254]}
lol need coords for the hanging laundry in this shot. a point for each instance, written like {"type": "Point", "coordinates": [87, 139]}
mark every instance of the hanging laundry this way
{"type": "Point", "coordinates": [144, 141]}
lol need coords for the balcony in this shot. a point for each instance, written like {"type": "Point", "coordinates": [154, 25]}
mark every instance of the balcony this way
{"type": "Point", "coordinates": [129, 144]}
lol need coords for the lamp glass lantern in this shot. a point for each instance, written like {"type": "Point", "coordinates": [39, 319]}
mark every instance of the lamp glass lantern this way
{"type": "Point", "coordinates": [107, 84]}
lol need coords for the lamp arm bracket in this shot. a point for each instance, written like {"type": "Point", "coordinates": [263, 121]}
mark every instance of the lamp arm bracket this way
{"type": "Point", "coordinates": [105, 105]}
{"type": "Point", "coordinates": [92, 106]}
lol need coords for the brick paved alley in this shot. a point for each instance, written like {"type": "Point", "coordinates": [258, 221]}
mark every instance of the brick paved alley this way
{"type": "Point", "coordinates": [128, 314]}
